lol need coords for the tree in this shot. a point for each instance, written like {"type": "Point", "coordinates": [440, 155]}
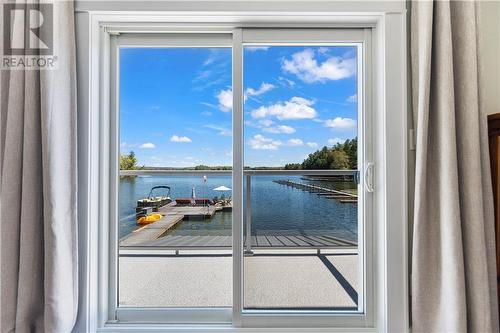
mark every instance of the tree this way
{"type": "Point", "coordinates": [340, 156]}
{"type": "Point", "coordinates": [128, 162]}
{"type": "Point", "coordinates": [339, 160]}
{"type": "Point", "coordinates": [351, 148]}
{"type": "Point", "coordinates": [293, 166]}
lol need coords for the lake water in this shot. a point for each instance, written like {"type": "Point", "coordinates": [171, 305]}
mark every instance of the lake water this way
{"type": "Point", "coordinates": [275, 208]}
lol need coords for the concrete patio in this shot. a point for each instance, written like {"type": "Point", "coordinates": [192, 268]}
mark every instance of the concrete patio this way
{"type": "Point", "coordinates": [273, 279]}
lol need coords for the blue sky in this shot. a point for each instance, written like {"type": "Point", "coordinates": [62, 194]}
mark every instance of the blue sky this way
{"type": "Point", "coordinates": [175, 104]}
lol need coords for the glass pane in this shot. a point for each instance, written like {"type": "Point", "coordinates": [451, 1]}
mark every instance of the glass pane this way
{"type": "Point", "coordinates": [301, 113]}
{"type": "Point", "coordinates": [175, 227]}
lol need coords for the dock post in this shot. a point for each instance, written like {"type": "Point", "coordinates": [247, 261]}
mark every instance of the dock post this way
{"type": "Point", "coordinates": [248, 215]}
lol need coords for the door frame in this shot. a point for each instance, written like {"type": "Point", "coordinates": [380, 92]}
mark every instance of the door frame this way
{"type": "Point", "coordinates": [390, 173]}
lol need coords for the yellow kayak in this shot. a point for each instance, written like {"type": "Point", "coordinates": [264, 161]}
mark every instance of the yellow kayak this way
{"type": "Point", "coordinates": [149, 219]}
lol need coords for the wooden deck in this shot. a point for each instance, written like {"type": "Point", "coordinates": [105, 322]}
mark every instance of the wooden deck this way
{"type": "Point", "coordinates": [260, 241]}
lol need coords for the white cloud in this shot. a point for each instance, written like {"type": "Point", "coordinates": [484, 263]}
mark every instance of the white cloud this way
{"type": "Point", "coordinates": [261, 142]}
{"type": "Point", "coordinates": [312, 144]}
{"type": "Point", "coordinates": [205, 82]}
{"type": "Point", "coordinates": [295, 142]}
{"type": "Point", "coordinates": [206, 113]}
{"type": "Point", "coordinates": [225, 98]}
{"type": "Point", "coordinates": [264, 87]}
{"type": "Point", "coordinates": [341, 123]}
{"type": "Point", "coordinates": [202, 76]}
{"type": "Point", "coordinates": [215, 57]}
{"type": "Point", "coordinates": [286, 82]}
{"type": "Point", "coordinates": [196, 130]}
{"type": "Point", "coordinates": [295, 108]}
{"type": "Point", "coordinates": [222, 130]}
{"type": "Point", "coordinates": [249, 123]}
{"type": "Point", "coordinates": [323, 50]}
{"type": "Point", "coordinates": [176, 138]}
{"type": "Point", "coordinates": [210, 105]}
{"type": "Point", "coordinates": [209, 61]}
{"type": "Point", "coordinates": [266, 122]}
{"type": "Point", "coordinates": [352, 98]}
{"type": "Point", "coordinates": [334, 141]}
{"type": "Point", "coordinates": [279, 129]}
{"type": "Point", "coordinates": [256, 48]}
{"type": "Point", "coordinates": [147, 145]}
{"type": "Point", "coordinates": [306, 67]}
{"type": "Point", "coordinates": [128, 145]}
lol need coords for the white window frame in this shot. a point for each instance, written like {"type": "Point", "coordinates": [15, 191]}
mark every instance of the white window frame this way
{"type": "Point", "coordinates": [361, 39]}
{"type": "Point", "coordinates": [215, 315]}
{"type": "Point", "coordinates": [390, 142]}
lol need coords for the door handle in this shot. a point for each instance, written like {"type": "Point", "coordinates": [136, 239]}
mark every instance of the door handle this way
{"type": "Point", "coordinates": [368, 177]}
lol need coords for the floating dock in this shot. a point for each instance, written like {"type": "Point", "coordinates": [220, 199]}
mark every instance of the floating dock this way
{"type": "Point", "coordinates": [342, 196]}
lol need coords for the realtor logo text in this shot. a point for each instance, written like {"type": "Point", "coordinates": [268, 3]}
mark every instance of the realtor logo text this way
{"type": "Point", "coordinates": [28, 36]}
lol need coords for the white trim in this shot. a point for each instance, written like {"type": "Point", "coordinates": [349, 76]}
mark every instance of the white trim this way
{"type": "Point", "coordinates": [104, 173]}
{"type": "Point", "coordinates": [238, 165]}
{"type": "Point", "coordinates": [114, 144]}
{"type": "Point", "coordinates": [366, 240]}
{"type": "Point", "coordinates": [205, 316]}
{"type": "Point", "coordinates": [277, 36]}
{"type": "Point", "coordinates": [395, 175]}
{"type": "Point", "coordinates": [238, 6]}
{"type": "Point", "coordinates": [146, 328]}
{"type": "Point", "coordinates": [183, 39]}
{"type": "Point", "coordinates": [390, 138]}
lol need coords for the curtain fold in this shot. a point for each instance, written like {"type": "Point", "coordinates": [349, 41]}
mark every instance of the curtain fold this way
{"type": "Point", "coordinates": [453, 262]}
{"type": "Point", "coordinates": [38, 193]}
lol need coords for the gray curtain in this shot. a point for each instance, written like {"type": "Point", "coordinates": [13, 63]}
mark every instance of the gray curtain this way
{"type": "Point", "coordinates": [453, 262]}
{"type": "Point", "coordinates": [38, 188]}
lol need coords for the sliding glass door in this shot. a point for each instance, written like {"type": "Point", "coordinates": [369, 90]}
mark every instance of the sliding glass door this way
{"type": "Point", "coordinates": [301, 114]}
{"type": "Point", "coordinates": [304, 229]}
{"type": "Point", "coordinates": [175, 158]}
{"type": "Point", "coordinates": [239, 193]}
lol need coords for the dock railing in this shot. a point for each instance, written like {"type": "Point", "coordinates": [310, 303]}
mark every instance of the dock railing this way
{"type": "Point", "coordinates": [248, 174]}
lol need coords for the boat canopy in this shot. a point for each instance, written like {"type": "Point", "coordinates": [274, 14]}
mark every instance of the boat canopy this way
{"type": "Point", "coordinates": [150, 195]}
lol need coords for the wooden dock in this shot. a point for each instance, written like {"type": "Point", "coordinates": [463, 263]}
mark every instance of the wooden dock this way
{"type": "Point", "coordinates": [328, 193]}
{"type": "Point", "coordinates": [172, 214]}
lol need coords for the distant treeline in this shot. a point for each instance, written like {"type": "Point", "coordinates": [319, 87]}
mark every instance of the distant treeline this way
{"type": "Point", "coordinates": [342, 156]}
{"type": "Point", "coordinates": [207, 167]}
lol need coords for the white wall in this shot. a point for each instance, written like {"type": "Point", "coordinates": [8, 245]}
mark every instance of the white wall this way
{"type": "Point", "coordinates": [490, 52]}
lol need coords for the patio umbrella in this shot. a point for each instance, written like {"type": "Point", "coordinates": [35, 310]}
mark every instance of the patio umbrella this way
{"type": "Point", "coordinates": [222, 188]}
